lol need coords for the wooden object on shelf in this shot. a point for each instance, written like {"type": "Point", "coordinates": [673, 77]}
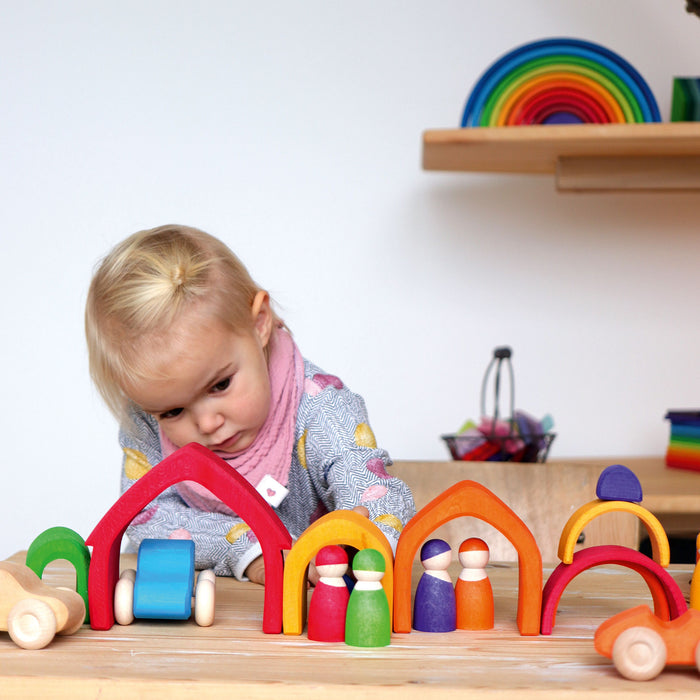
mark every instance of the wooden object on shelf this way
{"type": "Point", "coordinates": [582, 156]}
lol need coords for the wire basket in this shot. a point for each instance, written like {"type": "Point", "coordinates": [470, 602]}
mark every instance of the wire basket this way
{"type": "Point", "coordinates": [494, 449]}
{"type": "Point", "coordinates": [520, 438]}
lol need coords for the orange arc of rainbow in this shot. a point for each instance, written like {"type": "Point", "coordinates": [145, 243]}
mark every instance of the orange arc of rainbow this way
{"type": "Point", "coordinates": [537, 106]}
{"type": "Point", "coordinates": [561, 80]}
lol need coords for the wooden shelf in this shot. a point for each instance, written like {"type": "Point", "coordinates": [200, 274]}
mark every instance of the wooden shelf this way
{"type": "Point", "coordinates": [651, 156]}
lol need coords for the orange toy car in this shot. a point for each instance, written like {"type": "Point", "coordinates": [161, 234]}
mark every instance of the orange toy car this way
{"type": "Point", "coordinates": [33, 612]}
{"type": "Point", "coordinates": [641, 644]}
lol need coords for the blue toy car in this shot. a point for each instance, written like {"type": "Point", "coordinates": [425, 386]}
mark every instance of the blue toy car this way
{"type": "Point", "coordinates": [162, 586]}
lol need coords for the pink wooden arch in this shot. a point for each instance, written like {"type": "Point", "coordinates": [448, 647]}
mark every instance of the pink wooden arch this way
{"type": "Point", "coordinates": [190, 463]}
{"type": "Point", "coordinates": [668, 598]}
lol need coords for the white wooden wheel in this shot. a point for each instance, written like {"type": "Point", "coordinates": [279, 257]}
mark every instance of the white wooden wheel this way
{"type": "Point", "coordinates": [206, 575]}
{"type": "Point", "coordinates": [124, 598]}
{"type": "Point", "coordinates": [639, 653]}
{"type": "Point", "coordinates": [31, 624]}
{"type": "Point", "coordinates": [128, 573]}
{"type": "Point", "coordinates": [204, 602]}
{"type": "Point", "coordinates": [203, 575]}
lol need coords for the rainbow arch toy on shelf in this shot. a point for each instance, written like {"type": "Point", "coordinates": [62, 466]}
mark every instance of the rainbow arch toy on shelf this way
{"type": "Point", "coordinates": [560, 81]}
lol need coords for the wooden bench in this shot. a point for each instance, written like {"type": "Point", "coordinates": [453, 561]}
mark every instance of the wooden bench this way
{"type": "Point", "coordinates": [542, 495]}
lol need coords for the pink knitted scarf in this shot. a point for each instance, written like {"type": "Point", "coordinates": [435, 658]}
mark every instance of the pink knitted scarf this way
{"type": "Point", "coordinates": [271, 451]}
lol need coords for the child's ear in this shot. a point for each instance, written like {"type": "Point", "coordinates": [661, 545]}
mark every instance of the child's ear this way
{"type": "Point", "coordinates": [262, 316]}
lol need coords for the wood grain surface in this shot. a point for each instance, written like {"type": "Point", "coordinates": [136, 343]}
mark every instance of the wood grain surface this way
{"type": "Point", "coordinates": [233, 658]}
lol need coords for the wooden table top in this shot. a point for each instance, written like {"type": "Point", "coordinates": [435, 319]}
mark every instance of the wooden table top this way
{"type": "Point", "coordinates": [233, 658]}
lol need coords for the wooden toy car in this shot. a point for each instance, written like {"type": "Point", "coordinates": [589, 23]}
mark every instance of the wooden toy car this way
{"type": "Point", "coordinates": [641, 644]}
{"type": "Point", "coordinates": [162, 585]}
{"type": "Point", "coordinates": [33, 612]}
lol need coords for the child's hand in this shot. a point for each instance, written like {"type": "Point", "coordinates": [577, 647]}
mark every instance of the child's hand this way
{"type": "Point", "coordinates": [313, 574]}
{"type": "Point", "coordinates": [361, 510]}
{"type": "Point", "coordinates": [313, 577]}
{"type": "Point", "coordinates": [256, 571]}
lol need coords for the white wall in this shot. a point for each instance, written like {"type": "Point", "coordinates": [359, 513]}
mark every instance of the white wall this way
{"type": "Point", "coordinates": [293, 131]}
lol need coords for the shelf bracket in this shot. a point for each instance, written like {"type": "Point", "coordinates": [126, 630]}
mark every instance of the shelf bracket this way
{"type": "Point", "coordinates": [625, 173]}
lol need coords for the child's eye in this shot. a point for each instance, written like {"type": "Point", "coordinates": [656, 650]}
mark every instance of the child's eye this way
{"type": "Point", "coordinates": [221, 386]}
{"type": "Point", "coordinates": [172, 413]}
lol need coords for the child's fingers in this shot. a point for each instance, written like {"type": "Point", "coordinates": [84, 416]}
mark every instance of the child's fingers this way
{"type": "Point", "coordinates": [256, 571]}
{"type": "Point", "coordinates": [313, 575]}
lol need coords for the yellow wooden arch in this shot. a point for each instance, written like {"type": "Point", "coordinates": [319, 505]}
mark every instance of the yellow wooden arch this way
{"type": "Point", "coordinates": [660, 550]}
{"type": "Point", "coordinates": [338, 527]}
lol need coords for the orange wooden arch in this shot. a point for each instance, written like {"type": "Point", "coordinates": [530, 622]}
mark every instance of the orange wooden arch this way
{"type": "Point", "coordinates": [190, 463]}
{"type": "Point", "coordinates": [469, 498]}
{"type": "Point", "coordinates": [337, 527]}
{"type": "Point", "coordinates": [660, 549]}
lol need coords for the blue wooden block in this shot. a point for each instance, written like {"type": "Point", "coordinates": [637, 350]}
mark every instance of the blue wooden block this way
{"type": "Point", "coordinates": [164, 580]}
{"type": "Point", "coordinates": [618, 483]}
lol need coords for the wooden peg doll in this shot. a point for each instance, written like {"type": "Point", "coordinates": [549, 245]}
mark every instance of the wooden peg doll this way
{"type": "Point", "coordinates": [368, 621]}
{"type": "Point", "coordinates": [434, 607]}
{"type": "Point", "coordinates": [329, 600]}
{"type": "Point", "coordinates": [473, 590]}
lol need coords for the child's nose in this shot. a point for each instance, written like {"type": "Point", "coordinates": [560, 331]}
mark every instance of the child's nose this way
{"type": "Point", "coordinates": [209, 421]}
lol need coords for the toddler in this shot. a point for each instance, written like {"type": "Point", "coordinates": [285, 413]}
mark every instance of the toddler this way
{"type": "Point", "coordinates": [185, 347]}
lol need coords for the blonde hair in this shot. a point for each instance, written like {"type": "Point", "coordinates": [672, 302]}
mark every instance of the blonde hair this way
{"type": "Point", "coordinates": [143, 286]}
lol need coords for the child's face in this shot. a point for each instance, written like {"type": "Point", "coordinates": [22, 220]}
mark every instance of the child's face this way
{"type": "Point", "coordinates": [215, 387]}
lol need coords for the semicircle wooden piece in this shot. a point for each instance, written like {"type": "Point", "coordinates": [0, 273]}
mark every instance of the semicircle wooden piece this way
{"type": "Point", "coordinates": [469, 498]}
{"type": "Point", "coordinates": [337, 527]}
{"type": "Point", "coordinates": [661, 552]}
{"type": "Point", "coordinates": [615, 84]}
{"type": "Point", "coordinates": [669, 601]}
{"type": "Point", "coordinates": [62, 543]}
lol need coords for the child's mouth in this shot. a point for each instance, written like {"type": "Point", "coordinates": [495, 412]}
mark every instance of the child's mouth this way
{"type": "Point", "coordinates": [227, 445]}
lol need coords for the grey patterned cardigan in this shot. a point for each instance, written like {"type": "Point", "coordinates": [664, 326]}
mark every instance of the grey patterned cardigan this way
{"type": "Point", "coordinates": [335, 464]}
